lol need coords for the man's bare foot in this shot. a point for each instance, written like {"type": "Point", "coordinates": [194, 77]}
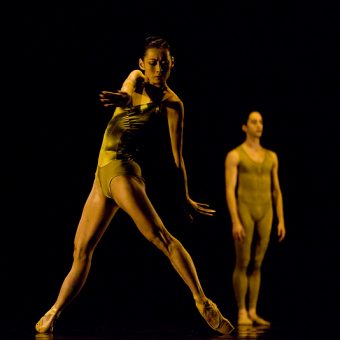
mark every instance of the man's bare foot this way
{"type": "Point", "coordinates": [243, 318]}
{"type": "Point", "coordinates": [258, 320]}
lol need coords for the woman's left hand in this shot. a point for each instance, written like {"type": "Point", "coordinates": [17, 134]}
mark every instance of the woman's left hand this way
{"type": "Point", "coordinates": [196, 207]}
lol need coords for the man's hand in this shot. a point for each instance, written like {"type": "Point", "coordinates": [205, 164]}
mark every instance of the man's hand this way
{"type": "Point", "coordinates": [238, 232]}
{"type": "Point", "coordinates": [281, 231]}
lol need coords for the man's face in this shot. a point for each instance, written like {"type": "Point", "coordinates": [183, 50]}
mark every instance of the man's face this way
{"type": "Point", "coordinates": [254, 126]}
{"type": "Point", "coordinates": [157, 64]}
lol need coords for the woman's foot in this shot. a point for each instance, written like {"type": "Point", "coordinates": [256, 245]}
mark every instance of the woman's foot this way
{"type": "Point", "coordinates": [213, 316]}
{"type": "Point", "coordinates": [46, 323]}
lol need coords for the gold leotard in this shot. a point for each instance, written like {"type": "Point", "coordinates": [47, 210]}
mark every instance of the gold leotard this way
{"type": "Point", "coordinates": [120, 144]}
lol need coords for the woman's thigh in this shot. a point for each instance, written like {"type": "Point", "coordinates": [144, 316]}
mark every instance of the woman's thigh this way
{"type": "Point", "coordinates": [96, 216]}
{"type": "Point", "coordinates": [130, 195]}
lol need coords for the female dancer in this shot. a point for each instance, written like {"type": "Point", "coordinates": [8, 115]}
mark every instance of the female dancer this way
{"type": "Point", "coordinates": [119, 184]}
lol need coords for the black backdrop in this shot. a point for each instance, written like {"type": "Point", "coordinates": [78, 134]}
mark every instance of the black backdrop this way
{"type": "Point", "coordinates": [228, 57]}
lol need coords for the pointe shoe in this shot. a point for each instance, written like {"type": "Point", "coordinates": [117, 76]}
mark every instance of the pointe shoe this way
{"type": "Point", "coordinates": [46, 323]}
{"type": "Point", "coordinates": [213, 316]}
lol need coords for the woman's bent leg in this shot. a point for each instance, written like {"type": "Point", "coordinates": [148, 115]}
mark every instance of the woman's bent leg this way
{"type": "Point", "coordinates": [96, 216]}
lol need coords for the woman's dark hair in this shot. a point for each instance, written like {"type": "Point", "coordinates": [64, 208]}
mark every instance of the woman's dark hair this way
{"type": "Point", "coordinates": [155, 42]}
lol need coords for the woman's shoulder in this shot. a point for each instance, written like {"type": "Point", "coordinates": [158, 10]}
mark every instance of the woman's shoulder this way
{"type": "Point", "coordinates": [172, 100]}
{"type": "Point", "coordinates": [173, 104]}
{"type": "Point", "coordinates": [135, 76]}
{"type": "Point", "coordinates": [171, 96]}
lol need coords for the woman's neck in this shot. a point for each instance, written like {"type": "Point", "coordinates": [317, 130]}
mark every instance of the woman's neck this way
{"type": "Point", "coordinates": [155, 93]}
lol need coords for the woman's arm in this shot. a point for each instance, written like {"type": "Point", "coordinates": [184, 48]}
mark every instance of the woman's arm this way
{"type": "Point", "coordinates": [130, 83]}
{"type": "Point", "coordinates": [231, 175]}
{"type": "Point", "coordinates": [175, 114]}
{"type": "Point", "coordinates": [122, 97]}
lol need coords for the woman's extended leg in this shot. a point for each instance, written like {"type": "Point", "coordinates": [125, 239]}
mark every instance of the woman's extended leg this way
{"type": "Point", "coordinates": [96, 216]}
{"type": "Point", "coordinates": [130, 195]}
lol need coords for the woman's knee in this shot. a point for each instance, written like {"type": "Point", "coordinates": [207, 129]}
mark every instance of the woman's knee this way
{"type": "Point", "coordinates": [163, 240]}
{"type": "Point", "coordinates": [82, 252]}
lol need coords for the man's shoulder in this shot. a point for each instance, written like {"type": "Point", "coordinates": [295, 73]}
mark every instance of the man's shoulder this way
{"type": "Point", "coordinates": [233, 154]}
{"type": "Point", "coordinates": [236, 149]}
{"type": "Point", "coordinates": [272, 153]}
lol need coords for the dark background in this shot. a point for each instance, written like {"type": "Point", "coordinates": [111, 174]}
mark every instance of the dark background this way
{"type": "Point", "coordinates": [281, 59]}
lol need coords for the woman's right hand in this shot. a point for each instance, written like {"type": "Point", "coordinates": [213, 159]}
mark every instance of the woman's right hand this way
{"type": "Point", "coordinates": [113, 99]}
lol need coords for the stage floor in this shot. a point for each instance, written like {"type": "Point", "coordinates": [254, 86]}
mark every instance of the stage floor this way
{"type": "Point", "coordinates": [247, 332]}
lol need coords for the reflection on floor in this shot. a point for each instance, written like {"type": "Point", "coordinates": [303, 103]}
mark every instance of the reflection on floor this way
{"type": "Point", "coordinates": [241, 332]}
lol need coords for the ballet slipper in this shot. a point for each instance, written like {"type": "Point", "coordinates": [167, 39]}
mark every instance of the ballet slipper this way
{"type": "Point", "coordinates": [46, 323]}
{"type": "Point", "coordinates": [213, 316]}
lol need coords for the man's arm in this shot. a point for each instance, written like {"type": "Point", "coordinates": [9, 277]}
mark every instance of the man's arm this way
{"type": "Point", "coordinates": [231, 173]}
{"type": "Point", "coordinates": [277, 198]}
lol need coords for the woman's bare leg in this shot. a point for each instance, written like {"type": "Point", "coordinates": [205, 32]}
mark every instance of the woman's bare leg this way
{"type": "Point", "coordinates": [96, 216]}
{"type": "Point", "coordinates": [130, 195]}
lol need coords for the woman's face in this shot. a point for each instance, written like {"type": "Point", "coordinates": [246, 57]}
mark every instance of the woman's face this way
{"type": "Point", "coordinates": [157, 64]}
